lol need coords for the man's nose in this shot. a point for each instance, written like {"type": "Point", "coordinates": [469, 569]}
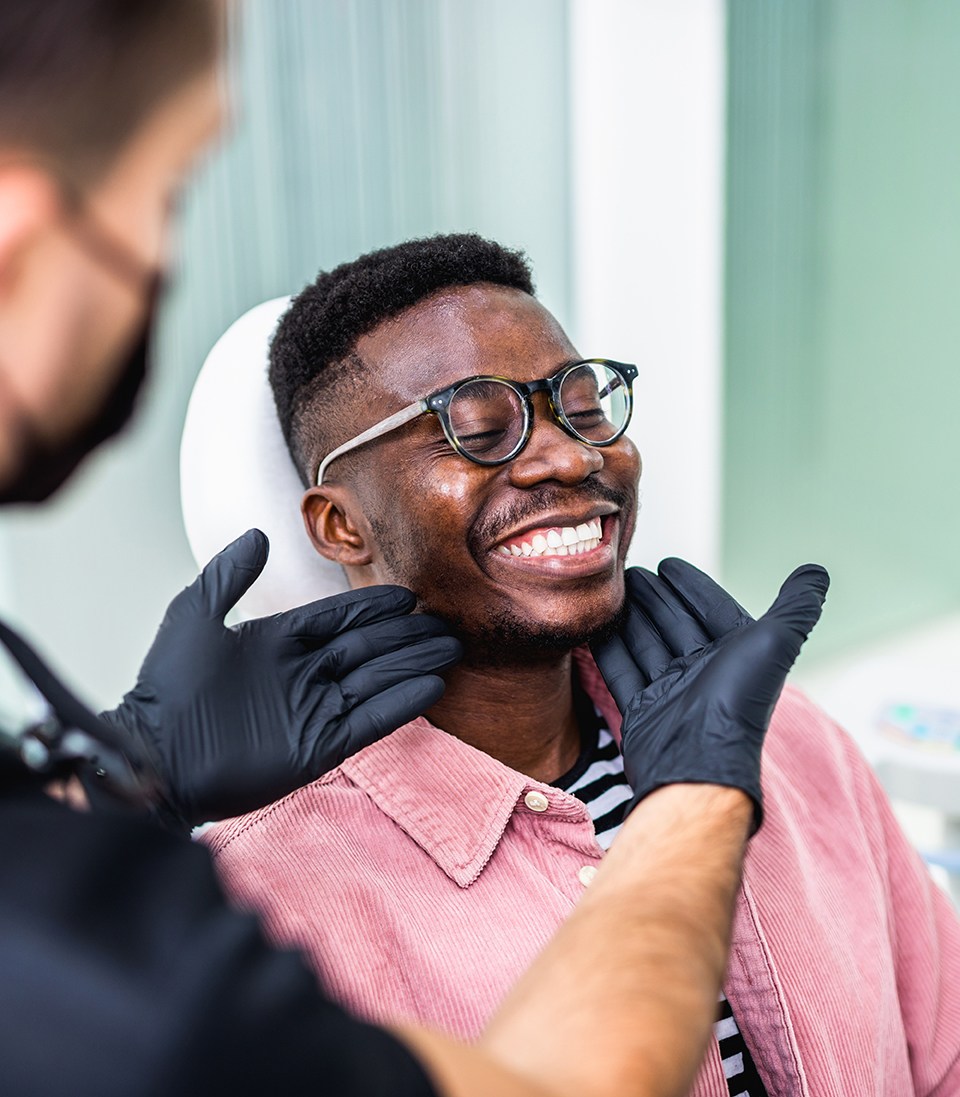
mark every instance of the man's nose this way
{"type": "Point", "coordinates": [553, 454]}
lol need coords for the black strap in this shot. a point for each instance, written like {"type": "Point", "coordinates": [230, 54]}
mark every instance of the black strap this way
{"type": "Point", "coordinates": [77, 737]}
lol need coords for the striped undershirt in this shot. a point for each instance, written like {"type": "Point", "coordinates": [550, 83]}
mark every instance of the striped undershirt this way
{"type": "Point", "coordinates": [598, 780]}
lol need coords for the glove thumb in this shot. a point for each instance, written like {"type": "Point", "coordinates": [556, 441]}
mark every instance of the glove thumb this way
{"type": "Point", "coordinates": [227, 577]}
{"type": "Point", "coordinates": [800, 601]}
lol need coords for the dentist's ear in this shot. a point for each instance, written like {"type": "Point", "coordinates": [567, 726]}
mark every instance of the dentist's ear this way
{"type": "Point", "coordinates": [337, 526]}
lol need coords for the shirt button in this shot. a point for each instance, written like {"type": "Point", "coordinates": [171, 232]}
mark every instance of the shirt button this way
{"type": "Point", "coordinates": [536, 801]}
{"type": "Point", "coordinates": [587, 874]}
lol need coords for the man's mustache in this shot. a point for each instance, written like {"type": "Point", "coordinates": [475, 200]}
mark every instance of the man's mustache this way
{"type": "Point", "coordinates": [539, 501]}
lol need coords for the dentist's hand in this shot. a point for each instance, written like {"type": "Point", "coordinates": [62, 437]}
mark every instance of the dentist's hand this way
{"type": "Point", "coordinates": [237, 717]}
{"type": "Point", "coordinates": [697, 678]}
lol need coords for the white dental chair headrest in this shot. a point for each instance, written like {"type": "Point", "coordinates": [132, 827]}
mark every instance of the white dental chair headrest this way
{"type": "Point", "coordinates": [236, 471]}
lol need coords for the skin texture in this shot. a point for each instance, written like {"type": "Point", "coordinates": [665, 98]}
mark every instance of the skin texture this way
{"type": "Point", "coordinates": [408, 509]}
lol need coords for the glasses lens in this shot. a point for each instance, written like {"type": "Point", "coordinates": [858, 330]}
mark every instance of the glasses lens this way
{"type": "Point", "coordinates": [486, 418]}
{"type": "Point", "coordinates": [595, 401]}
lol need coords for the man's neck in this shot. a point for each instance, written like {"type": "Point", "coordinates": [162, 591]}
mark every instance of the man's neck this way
{"type": "Point", "coordinates": [521, 715]}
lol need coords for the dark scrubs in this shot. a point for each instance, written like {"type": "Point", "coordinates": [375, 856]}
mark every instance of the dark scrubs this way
{"type": "Point", "coordinates": [123, 971]}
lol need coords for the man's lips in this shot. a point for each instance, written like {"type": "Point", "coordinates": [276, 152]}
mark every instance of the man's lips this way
{"type": "Point", "coordinates": [559, 519]}
{"type": "Point", "coordinates": [554, 537]}
{"type": "Point", "coordinates": [554, 540]}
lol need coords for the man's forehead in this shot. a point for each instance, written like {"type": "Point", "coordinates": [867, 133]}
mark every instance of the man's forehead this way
{"type": "Point", "coordinates": [462, 331]}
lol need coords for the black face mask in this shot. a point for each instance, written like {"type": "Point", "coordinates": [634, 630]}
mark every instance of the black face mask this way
{"type": "Point", "coordinates": [45, 466]}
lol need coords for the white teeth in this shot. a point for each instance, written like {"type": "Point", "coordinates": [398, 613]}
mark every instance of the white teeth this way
{"type": "Point", "coordinates": [563, 541]}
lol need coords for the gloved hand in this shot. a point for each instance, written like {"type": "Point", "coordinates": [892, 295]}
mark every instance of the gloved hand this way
{"type": "Point", "coordinates": [236, 717]}
{"type": "Point", "coordinates": [696, 677]}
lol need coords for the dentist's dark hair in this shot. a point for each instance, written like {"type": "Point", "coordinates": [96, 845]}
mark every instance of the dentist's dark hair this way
{"type": "Point", "coordinates": [77, 77]}
{"type": "Point", "coordinates": [313, 358]}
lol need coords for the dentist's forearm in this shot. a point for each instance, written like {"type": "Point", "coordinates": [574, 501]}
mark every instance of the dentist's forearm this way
{"type": "Point", "coordinates": [622, 1000]}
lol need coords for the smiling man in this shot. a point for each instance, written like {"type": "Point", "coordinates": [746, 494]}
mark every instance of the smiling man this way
{"type": "Point", "coordinates": [497, 515]}
{"type": "Point", "coordinates": [453, 440]}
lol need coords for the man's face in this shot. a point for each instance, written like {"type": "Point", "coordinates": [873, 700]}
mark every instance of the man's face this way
{"type": "Point", "coordinates": [441, 523]}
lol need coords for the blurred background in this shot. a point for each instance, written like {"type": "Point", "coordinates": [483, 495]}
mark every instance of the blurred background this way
{"type": "Point", "coordinates": [755, 201]}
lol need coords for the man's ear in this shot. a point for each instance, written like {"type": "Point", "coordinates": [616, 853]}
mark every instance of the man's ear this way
{"type": "Point", "coordinates": [29, 203]}
{"type": "Point", "coordinates": [336, 525]}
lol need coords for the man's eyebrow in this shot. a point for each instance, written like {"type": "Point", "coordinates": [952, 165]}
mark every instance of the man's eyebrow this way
{"type": "Point", "coordinates": [557, 366]}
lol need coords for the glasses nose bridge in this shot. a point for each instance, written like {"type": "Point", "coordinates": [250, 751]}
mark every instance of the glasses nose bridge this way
{"type": "Point", "coordinates": [549, 386]}
{"type": "Point", "coordinates": [550, 419]}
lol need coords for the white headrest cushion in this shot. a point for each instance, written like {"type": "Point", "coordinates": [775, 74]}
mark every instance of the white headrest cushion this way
{"type": "Point", "coordinates": [236, 472]}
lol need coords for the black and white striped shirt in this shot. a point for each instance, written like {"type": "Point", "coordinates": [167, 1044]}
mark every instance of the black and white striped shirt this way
{"type": "Point", "coordinates": [598, 780]}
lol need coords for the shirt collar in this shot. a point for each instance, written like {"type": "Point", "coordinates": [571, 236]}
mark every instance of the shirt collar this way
{"type": "Point", "coordinates": [455, 801]}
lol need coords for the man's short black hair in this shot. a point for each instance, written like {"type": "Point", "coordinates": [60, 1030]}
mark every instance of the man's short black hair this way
{"type": "Point", "coordinates": [314, 349]}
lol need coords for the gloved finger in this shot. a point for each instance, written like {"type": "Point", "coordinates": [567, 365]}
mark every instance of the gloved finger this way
{"type": "Point", "coordinates": [623, 677]}
{"type": "Point", "coordinates": [679, 628]}
{"type": "Point", "coordinates": [800, 601]}
{"type": "Point", "coordinates": [224, 580]}
{"type": "Point", "coordinates": [716, 610]}
{"type": "Point", "coordinates": [765, 653]}
{"type": "Point", "coordinates": [327, 617]}
{"type": "Point", "coordinates": [429, 656]}
{"type": "Point", "coordinates": [645, 644]}
{"type": "Point", "coordinates": [349, 650]}
{"type": "Point", "coordinates": [379, 715]}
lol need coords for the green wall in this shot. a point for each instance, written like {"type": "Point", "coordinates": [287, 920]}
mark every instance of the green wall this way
{"type": "Point", "coordinates": [842, 320]}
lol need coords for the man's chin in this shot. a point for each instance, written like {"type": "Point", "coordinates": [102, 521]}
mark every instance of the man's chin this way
{"type": "Point", "coordinates": [510, 642]}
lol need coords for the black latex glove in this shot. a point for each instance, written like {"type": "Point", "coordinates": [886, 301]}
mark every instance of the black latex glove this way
{"type": "Point", "coordinates": [696, 678]}
{"type": "Point", "coordinates": [237, 717]}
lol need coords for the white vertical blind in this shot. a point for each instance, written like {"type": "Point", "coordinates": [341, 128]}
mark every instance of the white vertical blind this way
{"type": "Point", "coordinates": [647, 154]}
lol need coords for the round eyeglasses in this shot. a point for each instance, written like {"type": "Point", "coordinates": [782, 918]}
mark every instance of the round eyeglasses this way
{"type": "Point", "coordinates": [489, 420]}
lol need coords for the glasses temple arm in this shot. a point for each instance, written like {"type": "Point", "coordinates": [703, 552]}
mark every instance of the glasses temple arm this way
{"type": "Point", "coordinates": [378, 429]}
{"type": "Point", "coordinates": [621, 381]}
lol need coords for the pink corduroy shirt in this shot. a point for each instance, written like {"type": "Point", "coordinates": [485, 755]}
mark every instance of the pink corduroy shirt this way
{"type": "Point", "coordinates": [421, 879]}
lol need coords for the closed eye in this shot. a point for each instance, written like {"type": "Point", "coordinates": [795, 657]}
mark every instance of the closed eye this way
{"type": "Point", "coordinates": [481, 441]}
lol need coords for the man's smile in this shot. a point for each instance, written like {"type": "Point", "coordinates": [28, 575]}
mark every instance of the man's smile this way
{"type": "Point", "coordinates": [554, 540]}
{"type": "Point", "coordinates": [562, 546]}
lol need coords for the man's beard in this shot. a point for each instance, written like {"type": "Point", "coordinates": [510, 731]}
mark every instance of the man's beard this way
{"type": "Point", "coordinates": [506, 640]}
{"type": "Point", "coordinates": [503, 638]}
